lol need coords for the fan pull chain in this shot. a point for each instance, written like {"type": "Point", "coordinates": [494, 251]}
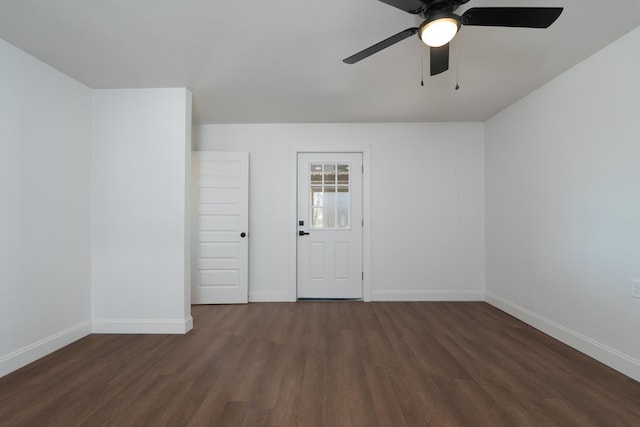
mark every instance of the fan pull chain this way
{"type": "Point", "coordinates": [457, 62]}
{"type": "Point", "coordinates": [421, 63]}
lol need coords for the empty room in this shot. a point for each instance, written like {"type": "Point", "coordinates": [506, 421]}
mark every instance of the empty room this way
{"type": "Point", "coordinates": [301, 213]}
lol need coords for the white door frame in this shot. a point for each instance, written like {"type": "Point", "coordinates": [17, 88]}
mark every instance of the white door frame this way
{"type": "Point", "coordinates": [366, 212]}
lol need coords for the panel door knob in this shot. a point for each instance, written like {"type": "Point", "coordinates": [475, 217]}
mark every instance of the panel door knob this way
{"type": "Point", "coordinates": [243, 234]}
{"type": "Point", "coordinates": [302, 233]}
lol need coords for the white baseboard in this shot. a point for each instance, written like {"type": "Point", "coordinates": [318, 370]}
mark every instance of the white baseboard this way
{"type": "Point", "coordinates": [602, 353]}
{"type": "Point", "coordinates": [427, 296]}
{"type": "Point", "coordinates": [269, 296]}
{"type": "Point", "coordinates": [22, 357]}
{"type": "Point", "coordinates": [142, 326]}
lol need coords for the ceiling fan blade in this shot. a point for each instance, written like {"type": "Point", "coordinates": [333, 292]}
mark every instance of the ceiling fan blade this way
{"type": "Point", "coordinates": [379, 46]}
{"type": "Point", "coordinates": [526, 17]}
{"type": "Point", "coordinates": [411, 6]}
{"type": "Point", "coordinates": [439, 57]}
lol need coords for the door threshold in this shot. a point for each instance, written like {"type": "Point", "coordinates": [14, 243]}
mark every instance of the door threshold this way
{"type": "Point", "coordinates": [327, 299]}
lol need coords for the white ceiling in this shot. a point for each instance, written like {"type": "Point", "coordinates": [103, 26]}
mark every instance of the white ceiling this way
{"type": "Point", "coordinates": [260, 61]}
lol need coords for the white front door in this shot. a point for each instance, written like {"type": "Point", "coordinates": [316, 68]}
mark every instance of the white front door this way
{"type": "Point", "coordinates": [329, 225]}
{"type": "Point", "coordinates": [220, 227]}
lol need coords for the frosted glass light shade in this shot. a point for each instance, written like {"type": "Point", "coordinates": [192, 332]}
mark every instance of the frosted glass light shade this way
{"type": "Point", "coordinates": [439, 32]}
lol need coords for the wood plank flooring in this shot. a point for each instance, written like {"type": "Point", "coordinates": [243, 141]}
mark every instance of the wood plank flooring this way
{"type": "Point", "coordinates": [324, 364]}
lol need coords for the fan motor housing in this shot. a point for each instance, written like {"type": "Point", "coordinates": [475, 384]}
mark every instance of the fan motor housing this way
{"type": "Point", "coordinates": [434, 6]}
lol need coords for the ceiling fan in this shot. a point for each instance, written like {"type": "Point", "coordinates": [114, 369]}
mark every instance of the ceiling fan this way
{"type": "Point", "coordinates": [441, 25]}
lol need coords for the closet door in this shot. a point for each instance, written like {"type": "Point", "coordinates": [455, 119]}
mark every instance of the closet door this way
{"type": "Point", "coordinates": [220, 228]}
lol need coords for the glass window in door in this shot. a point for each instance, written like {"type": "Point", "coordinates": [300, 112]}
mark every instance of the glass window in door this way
{"type": "Point", "coordinates": [330, 196]}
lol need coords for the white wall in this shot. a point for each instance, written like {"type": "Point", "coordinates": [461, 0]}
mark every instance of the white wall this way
{"type": "Point", "coordinates": [45, 142]}
{"type": "Point", "coordinates": [140, 164]}
{"type": "Point", "coordinates": [563, 206]}
{"type": "Point", "coordinates": [427, 202]}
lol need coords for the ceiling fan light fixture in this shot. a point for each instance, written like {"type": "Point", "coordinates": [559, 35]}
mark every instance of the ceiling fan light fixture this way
{"type": "Point", "coordinates": [439, 29]}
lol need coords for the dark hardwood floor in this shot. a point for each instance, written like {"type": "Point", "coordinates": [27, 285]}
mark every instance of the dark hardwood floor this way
{"type": "Point", "coordinates": [324, 364]}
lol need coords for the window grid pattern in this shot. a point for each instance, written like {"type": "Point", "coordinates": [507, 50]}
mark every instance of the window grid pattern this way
{"type": "Point", "coordinates": [330, 196]}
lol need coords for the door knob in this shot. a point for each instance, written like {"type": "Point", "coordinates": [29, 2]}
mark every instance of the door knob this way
{"type": "Point", "coordinates": [302, 233]}
{"type": "Point", "coordinates": [243, 234]}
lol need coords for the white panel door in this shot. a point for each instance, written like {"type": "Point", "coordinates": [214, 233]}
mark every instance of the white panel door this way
{"type": "Point", "coordinates": [329, 225]}
{"type": "Point", "coordinates": [220, 218]}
